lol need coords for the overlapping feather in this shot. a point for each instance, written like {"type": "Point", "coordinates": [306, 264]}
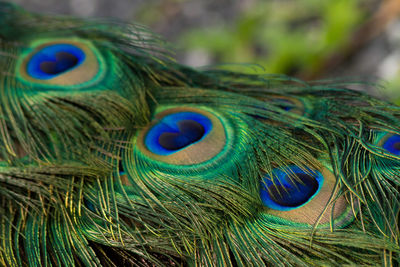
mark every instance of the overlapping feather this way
{"type": "Point", "coordinates": [77, 188]}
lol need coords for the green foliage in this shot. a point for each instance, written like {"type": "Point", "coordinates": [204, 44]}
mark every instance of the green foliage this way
{"type": "Point", "coordinates": [281, 36]}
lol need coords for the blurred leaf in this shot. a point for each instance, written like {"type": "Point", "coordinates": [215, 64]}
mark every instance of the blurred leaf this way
{"type": "Point", "coordinates": [282, 36]}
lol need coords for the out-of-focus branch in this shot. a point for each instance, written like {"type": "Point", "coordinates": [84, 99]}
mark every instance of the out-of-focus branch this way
{"type": "Point", "coordinates": [388, 11]}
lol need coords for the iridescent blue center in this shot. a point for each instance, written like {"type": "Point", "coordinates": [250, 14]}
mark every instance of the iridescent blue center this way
{"type": "Point", "coordinates": [177, 131]}
{"type": "Point", "coordinates": [290, 188]}
{"type": "Point", "coordinates": [392, 145]}
{"type": "Point", "coordinates": [54, 60]}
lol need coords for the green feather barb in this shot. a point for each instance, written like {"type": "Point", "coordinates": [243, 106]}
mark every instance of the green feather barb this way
{"type": "Point", "coordinates": [113, 154]}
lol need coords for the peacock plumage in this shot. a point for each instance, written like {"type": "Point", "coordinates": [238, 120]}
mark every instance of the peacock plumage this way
{"type": "Point", "coordinates": [113, 154]}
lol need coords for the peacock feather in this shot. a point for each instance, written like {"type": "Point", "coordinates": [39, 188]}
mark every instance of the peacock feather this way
{"type": "Point", "coordinates": [112, 154]}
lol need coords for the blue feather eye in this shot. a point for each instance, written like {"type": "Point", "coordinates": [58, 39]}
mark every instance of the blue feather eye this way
{"type": "Point", "coordinates": [183, 136]}
{"type": "Point", "coordinates": [290, 188]}
{"type": "Point", "coordinates": [291, 104]}
{"type": "Point", "coordinates": [61, 63]}
{"type": "Point", "coordinates": [392, 144]}
{"type": "Point", "coordinates": [177, 131]}
{"type": "Point", "coordinates": [284, 104]}
{"type": "Point", "coordinates": [186, 142]}
{"type": "Point", "coordinates": [54, 60]}
{"type": "Point", "coordinates": [294, 195]}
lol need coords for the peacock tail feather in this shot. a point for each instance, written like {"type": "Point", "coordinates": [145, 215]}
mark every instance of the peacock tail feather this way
{"type": "Point", "coordinates": [112, 154]}
{"type": "Point", "coordinates": [65, 80]}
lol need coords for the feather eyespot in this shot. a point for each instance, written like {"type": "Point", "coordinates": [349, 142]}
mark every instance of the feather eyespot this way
{"type": "Point", "coordinates": [391, 143]}
{"type": "Point", "coordinates": [304, 196]}
{"type": "Point", "coordinates": [290, 104]}
{"type": "Point", "coordinates": [183, 136]}
{"type": "Point", "coordinates": [290, 188]}
{"type": "Point", "coordinates": [177, 131]}
{"type": "Point", "coordinates": [284, 104]}
{"type": "Point", "coordinates": [181, 142]}
{"type": "Point", "coordinates": [284, 107]}
{"type": "Point", "coordinates": [54, 60]}
{"type": "Point", "coordinates": [61, 63]}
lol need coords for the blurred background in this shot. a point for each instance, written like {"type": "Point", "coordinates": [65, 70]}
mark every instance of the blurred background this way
{"type": "Point", "coordinates": [308, 39]}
